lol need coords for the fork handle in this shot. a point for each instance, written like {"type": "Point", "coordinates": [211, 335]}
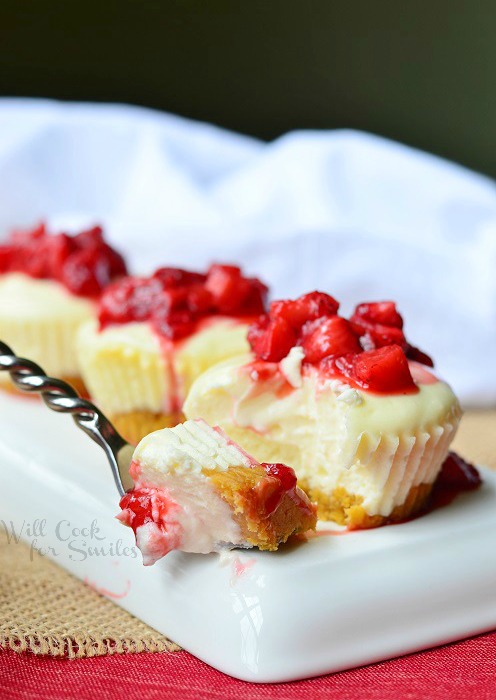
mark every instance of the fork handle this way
{"type": "Point", "coordinates": [63, 398]}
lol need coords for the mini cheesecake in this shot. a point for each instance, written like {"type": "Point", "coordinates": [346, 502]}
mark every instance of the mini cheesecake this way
{"type": "Point", "coordinates": [348, 403]}
{"type": "Point", "coordinates": [155, 335]}
{"type": "Point", "coordinates": [49, 286]}
{"type": "Point", "coordinates": [197, 491]}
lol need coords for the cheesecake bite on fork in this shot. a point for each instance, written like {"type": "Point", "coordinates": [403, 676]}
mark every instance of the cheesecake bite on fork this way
{"type": "Point", "coordinates": [197, 491]}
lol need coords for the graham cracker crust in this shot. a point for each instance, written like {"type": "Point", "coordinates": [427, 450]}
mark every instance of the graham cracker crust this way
{"type": "Point", "coordinates": [346, 508]}
{"type": "Point", "coordinates": [242, 489]}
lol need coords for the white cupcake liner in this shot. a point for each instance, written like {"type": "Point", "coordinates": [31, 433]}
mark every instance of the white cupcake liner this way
{"type": "Point", "coordinates": [50, 343]}
{"type": "Point", "coordinates": [386, 467]}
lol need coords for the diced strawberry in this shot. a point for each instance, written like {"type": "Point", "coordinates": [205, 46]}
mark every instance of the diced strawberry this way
{"type": "Point", "coordinates": [255, 301]}
{"type": "Point", "coordinates": [174, 299]}
{"type": "Point", "coordinates": [173, 325]}
{"type": "Point", "coordinates": [227, 286]}
{"type": "Point", "coordinates": [328, 336]}
{"type": "Point", "coordinates": [175, 277]}
{"type": "Point", "coordinates": [383, 370]}
{"type": "Point", "coordinates": [306, 308]}
{"type": "Point", "coordinates": [338, 365]}
{"type": "Point", "coordinates": [58, 249]}
{"type": "Point", "coordinates": [27, 237]}
{"type": "Point", "coordinates": [90, 238]}
{"type": "Point", "coordinates": [271, 339]}
{"type": "Point", "coordinates": [375, 335]}
{"type": "Point", "coordinates": [382, 312]}
{"type": "Point", "coordinates": [5, 258]}
{"type": "Point", "coordinates": [116, 263]}
{"type": "Point", "coordinates": [285, 474]}
{"type": "Point", "coordinates": [131, 299]}
{"type": "Point", "coordinates": [199, 299]}
{"type": "Point", "coordinates": [90, 269]}
{"type": "Point", "coordinates": [82, 273]}
{"type": "Point", "coordinates": [234, 294]}
{"type": "Point", "coordinates": [417, 355]}
{"type": "Point", "coordinates": [271, 490]}
{"type": "Point", "coordinates": [458, 475]}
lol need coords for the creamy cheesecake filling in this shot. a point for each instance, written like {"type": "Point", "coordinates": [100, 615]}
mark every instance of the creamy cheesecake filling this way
{"type": "Point", "coordinates": [130, 368]}
{"type": "Point", "coordinates": [202, 523]}
{"type": "Point", "coordinates": [170, 464]}
{"type": "Point", "coordinates": [124, 368]}
{"type": "Point", "coordinates": [39, 318]}
{"type": "Point", "coordinates": [375, 446]}
{"type": "Point", "coordinates": [188, 448]}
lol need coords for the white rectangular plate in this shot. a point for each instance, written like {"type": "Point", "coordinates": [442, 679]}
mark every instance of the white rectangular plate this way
{"type": "Point", "coordinates": [332, 603]}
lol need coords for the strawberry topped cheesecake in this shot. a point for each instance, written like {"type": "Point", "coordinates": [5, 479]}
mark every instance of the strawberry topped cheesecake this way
{"type": "Point", "coordinates": [349, 403]}
{"type": "Point", "coordinates": [154, 335]}
{"type": "Point", "coordinates": [49, 285]}
{"type": "Point", "coordinates": [197, 491]}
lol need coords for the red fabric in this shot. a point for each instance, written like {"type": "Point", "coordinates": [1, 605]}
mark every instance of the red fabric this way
{"type": "Point", "coordinates": [456, 672]}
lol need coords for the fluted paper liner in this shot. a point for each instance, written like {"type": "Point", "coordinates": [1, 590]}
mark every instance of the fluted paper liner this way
{"type": "Point", "coordinates": [385, 469]}
{"type": "Point", "coordinates": [50, 343]}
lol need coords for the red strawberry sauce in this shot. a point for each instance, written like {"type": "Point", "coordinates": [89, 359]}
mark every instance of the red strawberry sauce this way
{"type": "Point", "coordinates": [368, 351]}
{"type": "Point", "coordinates": [177, 301]}
{"type": "Point", "coordinates": [83, 263]}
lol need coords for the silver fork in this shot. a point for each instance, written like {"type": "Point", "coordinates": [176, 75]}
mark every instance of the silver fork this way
{"type": "Point", "coordinates": [60, 396]}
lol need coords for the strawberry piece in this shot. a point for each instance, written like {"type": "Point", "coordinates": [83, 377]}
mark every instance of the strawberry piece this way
{"type": "Point", "coordinates": [383, 370]}
{"type": "Point", "coordinates": [5, 258]}
{"type": "Point", "coordinates": [92, 237]}
{"type": "Point", "coordinates": [381, 312]}
{"type": "Point", "coordinates": [379, 324]}
{"type": "Point", "coordinates": [271, 339]}
{"type": "Point", "coordinates": [328, 336]}
{"type": "Point", "coordinates": [131, 299]}
{"type": "Point", "coordinates": [458, 475]}
{"type": "Point", "coordinates": [58, 250]}
{"type": "Point", "coordinates": [271, 490]}
{"type": "Point", "coordinates": [285, 474]}
{"type": "Point", "coordinates": [377, 336]}
{"type": "Point", "coordinates": [175, 277]}
{"type": "Point", "coordinates": [233, 293]}
{"type": "Point", "coordinates": [306, 308]}
{"type": "Point", "coordinates": [20, 239]}
{"type": "Point", "coordinates": [199, 299]}
{"type": "Point", "coordinates": [227, 287]}
{"type": "Point", "coordinates": [417, 355]}
{"type": "Point", "coordinates": [83, 273]}
{"type": "Point", "coordinates": [173, 325]}
{"type": "Point", "coordinates": [256, 299]}
{"type": "Point", "coordinates": [90, 269]}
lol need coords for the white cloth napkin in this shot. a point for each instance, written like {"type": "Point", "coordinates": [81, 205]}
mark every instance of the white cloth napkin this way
{"type": "Point", "coordinates": [345, 212]}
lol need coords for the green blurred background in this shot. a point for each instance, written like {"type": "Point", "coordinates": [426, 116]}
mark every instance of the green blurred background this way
{"type": "Point", "coordinates": [420, 72]}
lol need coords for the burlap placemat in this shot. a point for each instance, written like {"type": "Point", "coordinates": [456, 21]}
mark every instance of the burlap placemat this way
{"type": "Point", "coordinates": [45, 610]}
